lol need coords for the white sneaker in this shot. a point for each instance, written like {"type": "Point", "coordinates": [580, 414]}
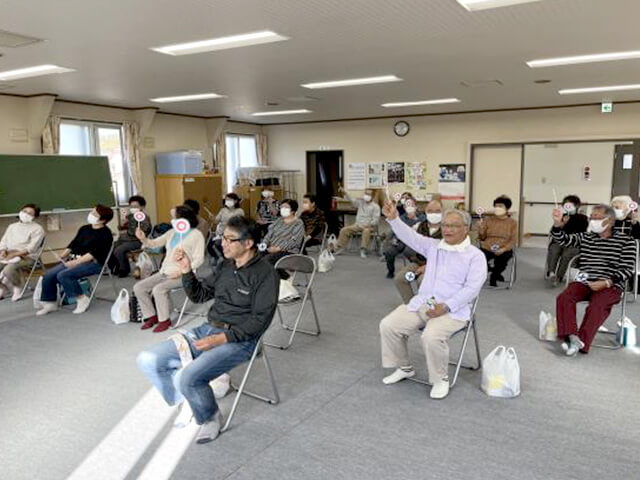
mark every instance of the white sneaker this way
{"type": "Point", "coordinates": [221, 385]}
{"type": "Point", "coordinates": [17, 294]}
{"type": "Point", "coordinates": [82, 304]}
{"type": "Point", "coordinates": [398, 375]}
{"type": "Point", "coordinates": [573, 346]}
{"type": "Point", "coordinates": [47, 307]}
{"type": "Point", "coordinates": [184, 417]}
{"type": "Point", "coordinates": [363, 253]}
{"type": "Point", "coordinates": [209, 431]}
{"type": "Point", "coordinates": [439, 390]}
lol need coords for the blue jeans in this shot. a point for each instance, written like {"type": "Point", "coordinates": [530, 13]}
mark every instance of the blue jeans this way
{"type": "Point", "coordinates": [67, 278]}
{"type": "Point", "coordinates": [161, 365]}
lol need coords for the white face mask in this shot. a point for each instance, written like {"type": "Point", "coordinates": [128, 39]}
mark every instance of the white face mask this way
{"type": "Point", "coordinates": [500, 211]}
{"type": "Point", "coordinates": [25, 217]}
{"type": "Point", "coordinates": [367, 198]}
{"type": "Point", "coordinates": [410, 209]}
{"type": "Point", "coordinates": [434, 217]}
{"type": "Point", "coordinates": [403, 201]}
{"type": "Point", "coordinates": [569, 208]}
{"type": "Point", "coordinates": [597, 226]}
{"type": "Point", "coordinates": [134, 210]}
{"type": "Point", "coordinates": [619, 213]}
{"type": "Point", "coordinates": [285, 212]}
{"type": "Point", "coordinates": [267, 194]}
{"type": "Point", "coordinates": [92, 219]}
{"type": "Point", "coordinates": [230, 203]}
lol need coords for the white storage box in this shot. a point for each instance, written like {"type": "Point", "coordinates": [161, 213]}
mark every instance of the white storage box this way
{"type": "Point", "coordinates": [184, 162]}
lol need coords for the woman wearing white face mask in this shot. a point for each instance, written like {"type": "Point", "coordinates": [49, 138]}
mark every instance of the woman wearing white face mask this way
{"type": "Point", "coordinates": [18, 247]}
{"type": "Point", "coordinates": [626, 219]}
{"type": "Point", "coordinates": [153, 292]}
{"type": "Point", "coordinates": [127, 242]}
{"type": "Point", "coordinates": [230, 209]}
{"type": "Point", "coordinates": [267, 210]}
{"type": "Point", "coordinates": [558, 256]}
{"type": "Point", "coordinates": [286, 234]}
{"type": "Point", "coordinates": [394, 247]}
{"type": "Point", "coordinates": [498, 234]}
{"type": "Point", "coordinates": [83, 257]}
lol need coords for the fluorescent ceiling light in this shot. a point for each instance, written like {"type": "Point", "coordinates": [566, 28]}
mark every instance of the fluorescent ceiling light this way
{"type": "Point", "coordinates": [221, 43]}
{"type": "Point", "coordinates": [353, 81]}
{"type": "Point", "coordinates": [611, 88]}
{"type": "Point", "coordinates": [187, 98]}
{"type": "Point", "coordinates": [472, 5]}
{"type": "Point", "coordinates": [33, 72]}
{"type": "Point", "coordinates": [422, 102]}
{"type": "Point", "coordinates": [597, 57]}
{"type": "Point", "coordinates": [280, 112]}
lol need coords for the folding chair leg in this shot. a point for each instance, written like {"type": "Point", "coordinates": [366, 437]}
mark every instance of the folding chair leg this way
{"type": "Point", "coordinates": [241, 390]}
{"type": "Point", "coordinates": [295, 328]}
{"type": "Point", "coordinates": [28, 281]}
{"type": "Point", "coordinates": [184, 306]}
{"type": "Point", "coordinates": [458, 364]}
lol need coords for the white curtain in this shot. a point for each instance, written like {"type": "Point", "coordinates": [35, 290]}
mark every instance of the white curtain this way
{"type": "Point", "coordinates": [221, 155]}
{"type": "Point", "coordinates": [132, 153]}
{"type": "Point", "coordinates": [261, 142]}
{"type": "Point", "coordinates": [51, 136]}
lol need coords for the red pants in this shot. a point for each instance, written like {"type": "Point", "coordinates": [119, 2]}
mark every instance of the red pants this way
{"type": "Point", "coordinates": [600, 304]}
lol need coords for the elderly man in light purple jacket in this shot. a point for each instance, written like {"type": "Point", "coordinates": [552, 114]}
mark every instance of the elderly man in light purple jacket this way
{"type": "Point", "coordinates": [454, 275]}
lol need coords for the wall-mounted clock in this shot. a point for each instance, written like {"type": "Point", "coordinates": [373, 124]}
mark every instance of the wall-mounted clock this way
{"type": "Point", "coordinates": [401, 128]}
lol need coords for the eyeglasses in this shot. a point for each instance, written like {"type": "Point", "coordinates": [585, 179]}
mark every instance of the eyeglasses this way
{"type": "Point", "coordinates": [231, 240]}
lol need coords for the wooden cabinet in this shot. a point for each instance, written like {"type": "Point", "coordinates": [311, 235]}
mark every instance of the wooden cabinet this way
{"type": "Point", "coordinates": [173, 190]}
{"type": "Point", "coordinates": [251, 195]}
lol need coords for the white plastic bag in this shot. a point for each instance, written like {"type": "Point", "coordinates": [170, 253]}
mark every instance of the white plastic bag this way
{"type": "Point", "coordinates": [547, 327]}
{"type": "Point", "coordinates": [145, 264]}
{"type": "Point", "coordinates": [287, 291]}
{"type": "Point", "coordinates": [120, 308]}
{"type": "Point", "coordinates": [501, 373]}
{"type": "Point", "coordinates": [332, 242]}
{"type": "Point", "coordinates": [325, 262]}
{"type": "Point", "coordinates": [37, 293]}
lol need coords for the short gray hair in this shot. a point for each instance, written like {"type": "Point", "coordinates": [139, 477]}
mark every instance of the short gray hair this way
{"type": "Point", "coordinates": [464, 216]}
{"type": "Point", "coordinates": [608, 211]}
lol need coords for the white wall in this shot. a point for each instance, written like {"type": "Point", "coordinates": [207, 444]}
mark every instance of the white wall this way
{"type": "Point", "coordinates": [446, 138]}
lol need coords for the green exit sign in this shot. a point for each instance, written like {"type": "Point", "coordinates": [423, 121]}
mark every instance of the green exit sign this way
{"type": "Point", "coordinates": [607, 107]}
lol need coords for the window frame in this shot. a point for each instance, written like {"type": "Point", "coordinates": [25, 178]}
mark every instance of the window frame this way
{"type": "Point", "coordinates": [94, 143]}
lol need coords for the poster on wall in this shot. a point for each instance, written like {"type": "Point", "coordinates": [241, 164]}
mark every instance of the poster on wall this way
{"type": "Point", "coordinates": [453, 173]}
{"type": "Point", "coordinates": [356, 176]}
{"type": "Point", "coordinates": [376, 175]}
{"type": "Point", "coordinates": [416, 176]}
{"type": "Point", "coordinates": [395, 172]}
{"type": "Point", "coordinates": [451, 181]}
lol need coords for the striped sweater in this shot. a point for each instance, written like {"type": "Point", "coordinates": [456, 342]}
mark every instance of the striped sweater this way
{"type": "Point", "coordinates": [602, 258]}
{"type": "Point", "coordinates": [286, 236]}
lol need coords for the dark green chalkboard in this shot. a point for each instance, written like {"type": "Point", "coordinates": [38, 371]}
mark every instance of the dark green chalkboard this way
{"type": "Point", "coordinates": [54, 182]}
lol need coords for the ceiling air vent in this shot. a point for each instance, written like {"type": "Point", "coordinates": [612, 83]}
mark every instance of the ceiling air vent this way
{"type": "Point", "coordinates": [14, 40]}
{"type": "Point", "coordinates": [481, 83]}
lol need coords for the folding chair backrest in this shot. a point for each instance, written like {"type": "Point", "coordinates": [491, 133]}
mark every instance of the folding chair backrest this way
{"type": "Point", "coordinates": [297, 263]}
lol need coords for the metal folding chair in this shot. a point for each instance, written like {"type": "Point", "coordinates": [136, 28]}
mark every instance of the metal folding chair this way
{"type": "Point", "coordinates": [38, 263]}
{"type": "Point", "coordinates": [572, 270]}
{"type": "Point", "coordinates": [323, 239]}
{"type": "Point", "coordinates": [306, 266]}
{"type": "Point", "coordinates": [467, 329]}
{"type": "Point", "coordinates": [241, 389]}
{"type": "Point", "coordinates": [104, 270]}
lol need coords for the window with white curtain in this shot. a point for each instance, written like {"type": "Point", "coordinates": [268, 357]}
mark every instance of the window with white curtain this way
{"type": "Point", "coordinates": [241, 152]}
{"type": "Point", "coordinates": [92, 138]}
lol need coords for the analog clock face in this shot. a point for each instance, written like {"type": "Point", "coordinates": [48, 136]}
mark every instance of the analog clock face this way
{"type": "Point", "coordinates": [401, 128]}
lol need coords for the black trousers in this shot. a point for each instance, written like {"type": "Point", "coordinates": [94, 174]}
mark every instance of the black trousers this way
{"type": "Point", "coordinates": [499, 262]}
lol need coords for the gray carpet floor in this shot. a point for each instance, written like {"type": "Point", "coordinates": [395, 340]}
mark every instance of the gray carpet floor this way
{"type": "Point", "coordinates": [66, 381]}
